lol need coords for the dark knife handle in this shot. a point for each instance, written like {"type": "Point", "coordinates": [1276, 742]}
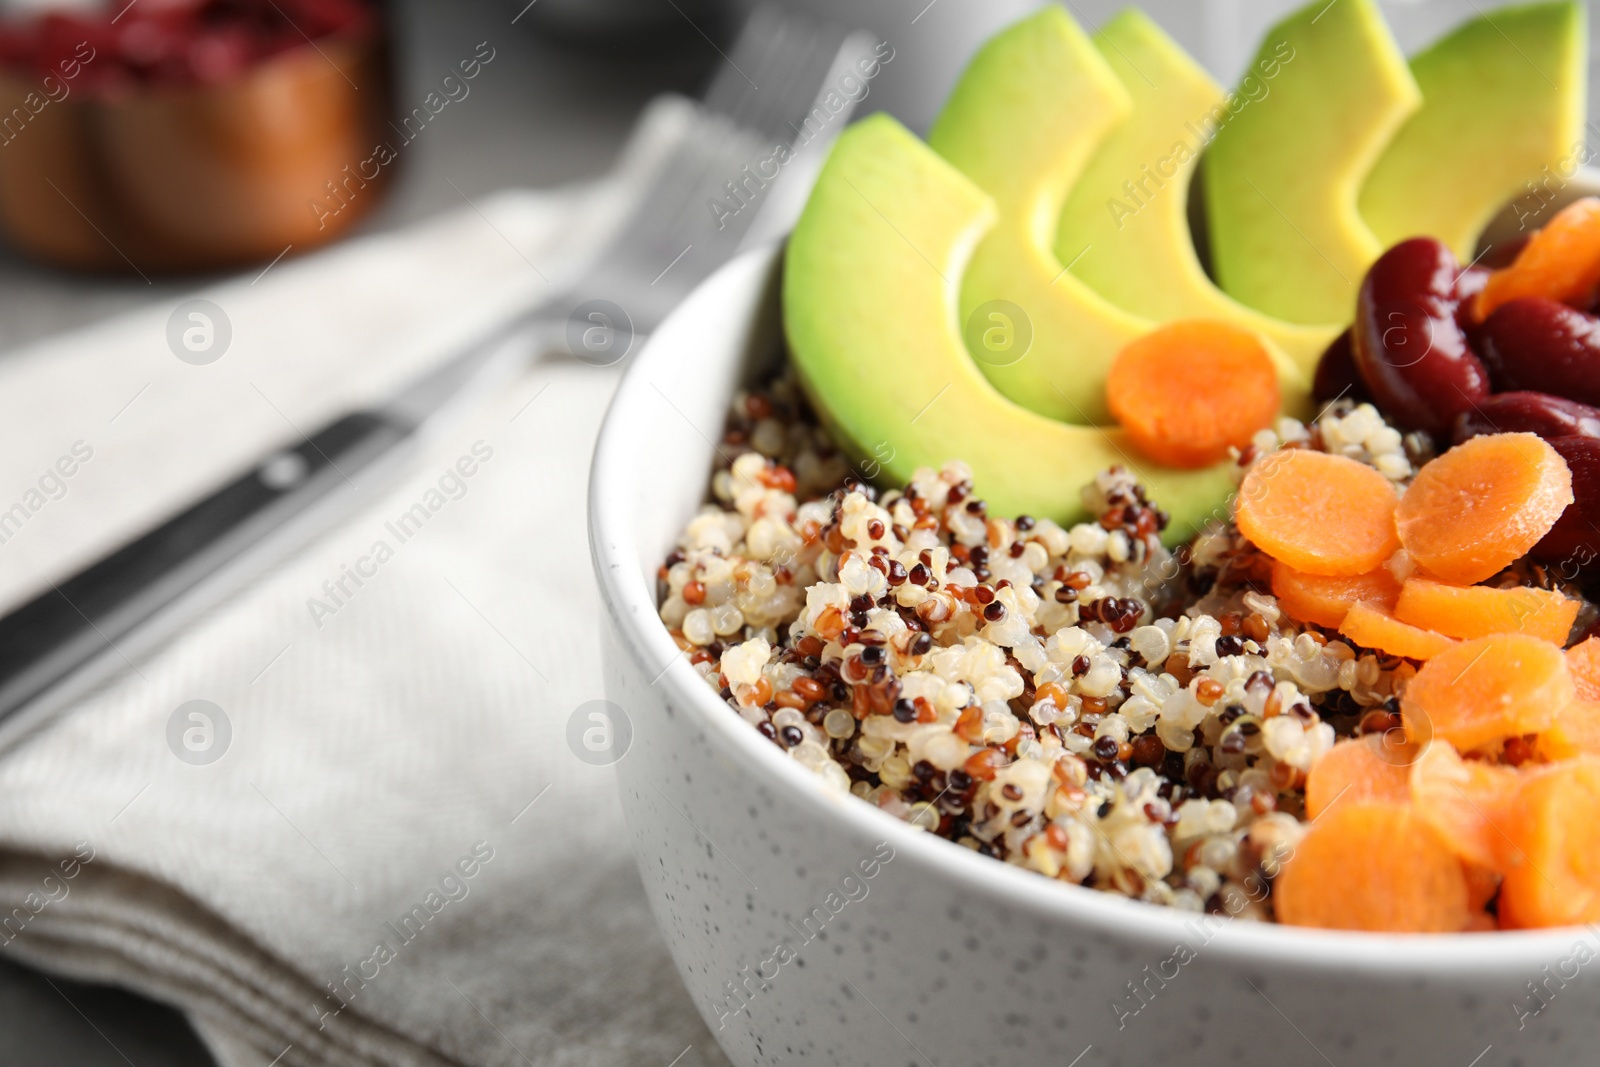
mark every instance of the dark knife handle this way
{"type": "Point", "coordinates": [47, 638]}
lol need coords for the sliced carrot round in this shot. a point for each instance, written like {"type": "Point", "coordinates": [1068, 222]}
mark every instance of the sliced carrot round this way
{"type": "Point", "coordinates": [1583, 660]}
{"type": "Point", "coordinates": [1326, 600]}
{"type": "Point", "coordinates": [1576, 732]}
{"type": "Point", "coordinates": [1555, 880]}
{"type": "Point", "coordinates": [1373, 866]}
{"type": "Point", "coordinates": [1482, 885]}
{"type": "Point", "coordinates": [1364, 768]}
{"type": "Point", "coordinates": [1370, 626]}
{"type": "Point", "coordinates": [1560, 262]}
{"type": "Point", "coordinates": [1478, 610]}
{"type": "Point", "coordinates": [1186, 392]}
{"type": "Point", "coordinates": [1481, 506]}
{"type": "Point", "coordinates": [1319, 513]}
{"type": "Point", "coordinates": [1487, 690]}
{"type": "Point", "coordinates": [1469, 802]}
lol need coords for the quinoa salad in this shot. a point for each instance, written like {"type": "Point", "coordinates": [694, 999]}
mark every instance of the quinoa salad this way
{"type": "Point", "coordinates": [1081, 702]}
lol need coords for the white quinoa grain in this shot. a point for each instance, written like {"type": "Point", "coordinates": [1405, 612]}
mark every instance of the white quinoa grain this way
{"type": "Point", "coordinates": [726, 620]}
{"type": "Point", "coordinates": [697, 627]}
{"type": "Point", "coordinates": [742, 663]}
{"type": "Point", "coordinates": [839, 723]}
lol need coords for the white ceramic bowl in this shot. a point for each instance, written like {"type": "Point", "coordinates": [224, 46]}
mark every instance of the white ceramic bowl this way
{"type": "Point", "coordinates": [943, 957]}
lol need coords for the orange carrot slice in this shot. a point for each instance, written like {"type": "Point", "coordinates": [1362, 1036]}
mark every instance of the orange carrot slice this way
{"type": "Point", "coordinates": [1583, 660]}
{"type": "Point", "coordinates": [1319, 513]}
{"type": "Point", "coordinates": [1373, 866]}
{"type": "Point", "coordinates": [1327, 600]}
{"type": "Point", "coordinates": [1555, 880]}
{"type": "Point", "coordinates": [1188, 391]}
{"type": "Point", "coordinates": [1371, 626]}
{"type": "Point", "coordinates": [1469, 802]}
{"type": "Point", "coordinates": [1488, 689]}
{"type": "Point", "coordinates": [1560, 262]}
{"type": "Point", "coordinates": [1576, 732]}
{"type": "Point", "coordinates": [1478, 610]}
{"type": "Point", "coordinates": [1364, 768]}
{"type": "Point", "coordinates": [1481, 506]}
{"type": "Point", "coordinates": [1482, 885]}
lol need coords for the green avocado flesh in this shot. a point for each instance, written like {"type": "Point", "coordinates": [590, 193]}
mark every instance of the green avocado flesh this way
{"type": "Point", "coordinates": [1504, 98]}
{"type": "Point", "coordinates": [1030, 113]}
{"type": "Point", "coordinates": [870, 302]}
{"type": "Point", "coordinates": [1129, 209]}
{"type": "Point", "coordinates": [1283, 174]}
{"type": "Point", "coordinates": [1023, 121]}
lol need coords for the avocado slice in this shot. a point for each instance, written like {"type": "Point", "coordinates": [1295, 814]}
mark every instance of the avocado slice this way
{"type": "Point", "coordinates": [1022, 122]}
{"type": "Point", "coordinates": [871, 280]}
{"type": "Point", "coordinates": [1505, 96]}
{"type": "Point", "coordinates": [1284, 172]}
{"type": "Point", "coordinates": [1130, 206]}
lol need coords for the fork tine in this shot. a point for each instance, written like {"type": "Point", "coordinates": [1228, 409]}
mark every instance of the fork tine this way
{"type": "Point", "coordinates": [714, 157]}
{"type": "Point", "coordinates": [732, 82]}
{"type": "Point", "coordinates": [814, 48]}
{"type": "Point", "coordinates": [778, 58]}
{"type": "Point", "coordinates": [788, 56]}
{"type": "Point", "coordinates": [721, 151]}
{"type": "Point", "coordinates": [660, 210]}
{"type": "Point", "coordinates": [805, 78]}
{"type": "Point", "coordinates": [746, 105]}
{"type": "Point", "coordinates": [789, 52]}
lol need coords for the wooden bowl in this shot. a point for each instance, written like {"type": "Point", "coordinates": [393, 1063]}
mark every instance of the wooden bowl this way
{"type": "Point", "coordinates": [198, 177]}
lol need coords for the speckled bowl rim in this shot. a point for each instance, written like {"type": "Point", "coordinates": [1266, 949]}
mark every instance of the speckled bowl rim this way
{"type": "Point", "coordinates": [629, 598]}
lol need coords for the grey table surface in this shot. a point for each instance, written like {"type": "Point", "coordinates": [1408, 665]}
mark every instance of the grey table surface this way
{"type": "Point", "coordinates": [552, 111]}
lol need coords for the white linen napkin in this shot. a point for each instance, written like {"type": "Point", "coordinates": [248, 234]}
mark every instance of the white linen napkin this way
{"type": "Point", "coordinates": [397, 859]}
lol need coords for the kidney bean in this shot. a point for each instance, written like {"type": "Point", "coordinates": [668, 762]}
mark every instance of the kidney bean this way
{"type": "Point", "coordinates": [1544, 346]}
{"type": "Point", "coordinates": [1573, 544]}
{"type": "Point", "coordinates": [1548, 416]}
{"type": "Point", "coordinates": [1408, 346]}
{"type": "Point", "coordinates": [1337, 376]}
{"type": "Point", "coordinates": [1468, 285]}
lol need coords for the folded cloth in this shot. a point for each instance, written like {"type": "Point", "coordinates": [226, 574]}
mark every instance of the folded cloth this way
{"type": "Point", "coordinates": [373, 844]}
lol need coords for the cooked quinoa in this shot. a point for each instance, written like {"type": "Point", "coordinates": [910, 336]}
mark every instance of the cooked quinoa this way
{"type": "Point", "coordinates": [1081, 702]}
